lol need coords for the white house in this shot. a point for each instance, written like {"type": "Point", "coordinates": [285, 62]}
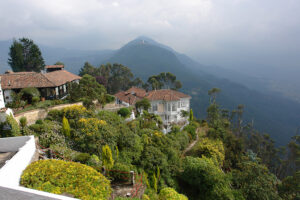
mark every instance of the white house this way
{"type": "Point", "coordinates": [3, 111]}
{"type": "Point", "coordinates": [166, 103]}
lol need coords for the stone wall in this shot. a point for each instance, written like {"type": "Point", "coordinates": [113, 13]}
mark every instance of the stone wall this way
{"type": "Point", "coordinates": [34, 115]}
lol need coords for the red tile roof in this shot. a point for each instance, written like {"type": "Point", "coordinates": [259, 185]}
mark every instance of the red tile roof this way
{"type": "Point", "coordinates": [166, 95]}
{"type": "Point", "coordinates": [133, 95]}
{"type": "Point", "coordinates": [53, 66]}
{"type": "Point", "coordinates": [19, 80]}
{"type": "Point", "coordinates": [128, 97]}
{"type": "Point", "coordinates": [61, 77]}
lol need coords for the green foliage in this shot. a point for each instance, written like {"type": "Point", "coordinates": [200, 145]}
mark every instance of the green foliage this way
{"type": "Point", "coordinates": [170, 194]}
{"type": "Point", "coordinates": [289, 188]}
{"type": "Point", "coordinates": [124, 112]}
{"type": "Point", "coordinates": [154, 182]}
{"type": "Point", "coordinates": [30, 94]}
{"type": "Point", "coordinates": [191, 116]}
{"type": "Point", "coordinates": [202, 179]}
{"type": "Point", "coordinates": [209, 148]}
{"type": "Point", "coordinates": [35, 100]}
{"type": "Point", "coordinates": [57, 176]}
{"type": "Point", "coordinates": [184, 113]}
{"type": "Point", "coordinates": [255, 181]}
{"type": "Point", "coordinates": [14, 127]}
{"type": "Point", "coordinates": [24, 55]}
{"type": "Point", "coordinates": [88, 88]}
{"type": "Point", "coordinates": [23, 122]}
{"type": "Point", "coordinates": [82, 158]}
{"type": "Point", "coordinates": [142, 104]}
{"type": "Point", "coordinates": [120, 172]}
{"type": "Point", "coordinates": [164, 80]}
{"type": "Point", "coordinates": [107, 158]}
{"type": "Point", "coordinates": [66, 127]}
{"type": "Point", "coordinates": [109, 98]}
{"type": "Point", "coordinates": [88, 103]}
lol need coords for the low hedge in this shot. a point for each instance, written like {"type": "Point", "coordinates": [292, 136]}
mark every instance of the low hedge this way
{"type": "Point", "coordinates": [57, 176]}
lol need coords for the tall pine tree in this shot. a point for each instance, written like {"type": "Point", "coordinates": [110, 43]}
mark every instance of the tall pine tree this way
{"type": "Point", "coordinates": [24, 55]}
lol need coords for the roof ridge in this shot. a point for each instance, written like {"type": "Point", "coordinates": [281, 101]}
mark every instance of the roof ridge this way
{"type": "Point", "coordinates": [48, 79]}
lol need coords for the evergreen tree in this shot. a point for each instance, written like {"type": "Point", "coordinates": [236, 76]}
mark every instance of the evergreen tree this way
{"type": "Point", "coordinates": [24, 55]}
{"type": "Point", "coordinates": [66, 127]}
{"type": "Point", "coordinates": [107, 158]}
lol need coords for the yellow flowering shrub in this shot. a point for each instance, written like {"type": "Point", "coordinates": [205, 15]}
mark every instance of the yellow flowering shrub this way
{"type": "Point", "coordinates": [170, 194]}
{"type": "Point", "coordinates": [90, 126]}
{"type": "Point", "coordinates": [57, 176]}
{"type": "Point", "coordinates": [210, 148]}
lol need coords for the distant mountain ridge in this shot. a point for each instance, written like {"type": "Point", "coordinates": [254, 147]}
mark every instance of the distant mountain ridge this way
{"type": "Point", "coordinates": [271, 113]}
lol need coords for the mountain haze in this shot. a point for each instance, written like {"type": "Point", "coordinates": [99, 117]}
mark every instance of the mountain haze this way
{"type": "Point", "coordinates": [271, 112]}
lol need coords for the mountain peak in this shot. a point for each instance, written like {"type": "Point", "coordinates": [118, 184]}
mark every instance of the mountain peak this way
{"type": "Point", "coordinates": [144, 40]}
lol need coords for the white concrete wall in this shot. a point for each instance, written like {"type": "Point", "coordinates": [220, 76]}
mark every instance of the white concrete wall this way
{"type": "Point", "coordinates": [11, 172]}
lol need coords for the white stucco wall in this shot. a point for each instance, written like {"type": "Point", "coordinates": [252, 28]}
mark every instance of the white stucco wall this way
{"type": "Point", "coordinates": [174, 115]}
{"type": "Point", "coordinates": [8, 96]}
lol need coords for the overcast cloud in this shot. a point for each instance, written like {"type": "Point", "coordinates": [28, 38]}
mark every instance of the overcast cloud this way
{"type": "Point", "coordinates": [222, 32]}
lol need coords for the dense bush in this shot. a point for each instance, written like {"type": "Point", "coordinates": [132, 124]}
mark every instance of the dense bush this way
{"type": "Point", "coordinates": [170, 194]}
{"type": "Point", "coordinates": [109, 98]}
{"type": "Point", "coordinates": [82, 158]}
{"type": "Point", "coordinates": [35, 100]}
{"type": "Point", "coordinates": [14, 129]}
{"type": "Point", "coordinates": [120, 172]}
{"type": "Point", "coordinates": [30, 92]}
{"type": "Point", "coordinates": [124, 112]}
{"type": "Point", "coordinates": [57, 176]}
{"type": "Point", "coordinates": [209, 148]}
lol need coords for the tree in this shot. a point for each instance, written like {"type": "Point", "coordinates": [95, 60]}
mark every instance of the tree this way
{"type": "Point", "coordinates": [143, 104]}
{"type": "Point", "coordinates": [107, 158]}
{"type": "Point", "coordinates": [66, 127]}
{"type": "Point", "coordinates": [255, 181]}
{"type": "Point", "coordinates": [170, 194]}
{"type": "Point", "coordinates": [164, 80]}
{"type": "Point", "coordinates": [88, 88]}
{"type": "Point", "coordinates": [205, 180]}
{"type": "Point", "coordinates": [213, 94]}
{"type": "Point", "coordinates": [24, 55]}
{"type": "Point", "coordinates": [191, 117]}
{"type": "Point", "coordinates": [89, 69]}
{"type": "Point", "coordinates": [59, 63]}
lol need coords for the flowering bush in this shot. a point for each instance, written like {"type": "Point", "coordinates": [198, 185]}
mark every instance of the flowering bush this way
{"type": "Point", "coordinates": [57, 176]}
{"type": "Point", "coordinates": [171, 194]}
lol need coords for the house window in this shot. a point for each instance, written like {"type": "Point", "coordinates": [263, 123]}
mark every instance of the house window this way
{"type": "Point", "coordinates": [183, 104]}
{"type": "Point", "coordinates": [154, 107]}
{"type": "Point", "coordinates": [174, 108]}
{"type": "Point", "coordinates": [179, 104]}
{"type": "Point", "coordinates": [169, 107]}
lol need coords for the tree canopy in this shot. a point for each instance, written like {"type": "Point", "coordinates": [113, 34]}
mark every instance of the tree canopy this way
{"type": "Point", "coordinates": [25, 55]}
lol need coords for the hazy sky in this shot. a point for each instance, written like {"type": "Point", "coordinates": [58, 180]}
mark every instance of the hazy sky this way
{"type": "Point", "coordinates": [222, 32]}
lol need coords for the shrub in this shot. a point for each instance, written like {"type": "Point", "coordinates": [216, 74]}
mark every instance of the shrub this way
{"type": "Point", "coordinates": [170, 194]}
{"type": "Point", "coordinates": [35, 100]}
{"type": "Point", "coordinates": [210, 148]}
{"type": "Point", "coordinates": [82, 158]}
{"type": "Point", "coordinates": [29, 93]}
{"type": "Point", "coordinates": [23, 122]}
{"type": "Point", "coordinates": [109, 98]}
{"type": "Point", "coordinates": [57, 176]}
{"type": "Point", "coordinates": [120, 172]}
{"type": "Point", "coordinates": [94, 161]}
{"type": "Point", "coordinates": [107, 158]}
{"type": "Point", "coordinates": [14, 127]}
{"type": "Point", "coordinates": [88, 103]}
{"type": "Point", "coordinates": [66, 127]}
{"type": "Point", "coordinates": [124, 112]}
{"type": "Point", "coordinates": [55, 115]}
{"type": "Point", "coordinates": [51, 137]}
